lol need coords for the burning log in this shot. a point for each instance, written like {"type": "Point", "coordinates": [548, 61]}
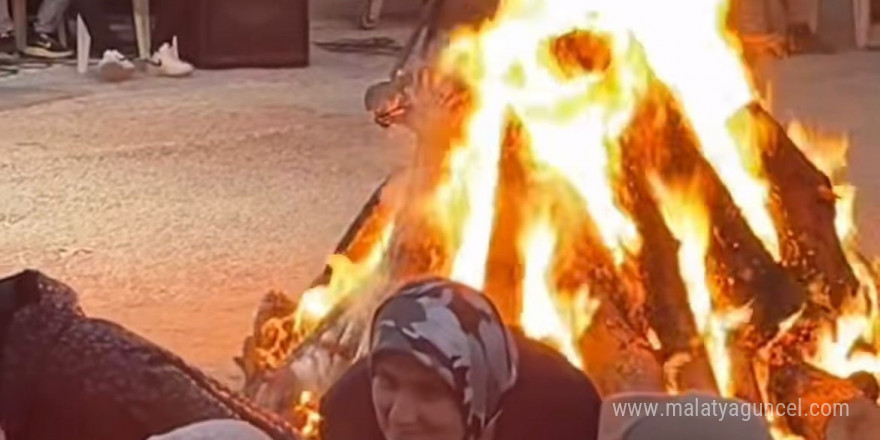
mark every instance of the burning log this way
{"type": "Point", "coordinates": [581, 260]}
{"type": "Point", "coordinates": [318, 360]}
{"type": "Point", "coordinates": [667, 308]}
{"type": "Point", "coordinates": [617, 358]}
{"type": "Point", "coordinates": [584, 262]}
{"type": "Point", "coordinates": [274, 337]}
{"type": "Point", "coordinates": [802, 205]}
{"type": "Point", "coordinates": [741, 271]}
{"type": "Point", "coordinates": [274, 334]}
{"type": "Point", "coordinates": [795, 384]}
{"type": "Point", "coordinates": [504, 268]}
{"type": "Point", "coordinates": [437, 108]}
{"type": "Point", "coordinates": [417, 247]}
{"type": "Point", "coordinates": [363, 232]}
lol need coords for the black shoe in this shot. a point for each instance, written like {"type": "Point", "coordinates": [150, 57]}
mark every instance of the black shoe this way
{"type": "Point", "coordinates": [7, 45]}
{"type": "Point", "coordinates": [44, 46]}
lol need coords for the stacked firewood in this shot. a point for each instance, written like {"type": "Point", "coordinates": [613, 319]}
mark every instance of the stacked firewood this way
{"type": "Point", "coordinates": [644, 336]}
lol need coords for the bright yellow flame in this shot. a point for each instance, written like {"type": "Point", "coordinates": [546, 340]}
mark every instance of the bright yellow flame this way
{"type": "Point", "coordinates": [842, 345]}
{"type": "Point", "coordinates": [574, 123]}
{"type": "Point", "coordinates": [308, 415]}
{"type": "Point", "coordinates": [540, 317]}
{"type": "Point", "coordinates": [348, 277]}
{"type": "Point", "coordinates": [825, 149]}
{"type": "Point", "coordinates": [688, 221]}
{"type": "Point", "coordinates": [689, 51]}
{"type": "Point", "coordinates": [474, 177]}
{"type": "Point", "coordinates": [839, 351]}
{"type": "Point", "coordinates": [720, 326]}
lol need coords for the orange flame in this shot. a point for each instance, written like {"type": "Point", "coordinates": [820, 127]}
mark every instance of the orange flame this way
{"type": "Point", "coordinates": [573, 73]}
{"type": "Point", "coordinates": [308, 417]}
{"type": "Point", "coordinates": [852, 343]}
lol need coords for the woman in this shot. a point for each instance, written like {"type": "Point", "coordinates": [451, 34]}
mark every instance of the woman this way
{"type": "Point", "coordinates": [442, 366]}
{"type": "Point", "coordinates": [114, 66]}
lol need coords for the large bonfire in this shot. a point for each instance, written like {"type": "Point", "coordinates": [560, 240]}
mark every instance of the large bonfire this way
{"type": "Point", "coordinates": [603, 170]}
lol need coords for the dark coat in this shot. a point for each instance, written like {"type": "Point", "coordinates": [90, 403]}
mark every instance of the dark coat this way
{"type": "Point", "coordinates": [65, 376]}
{"type": "Point", "coordinates": [551, 400]}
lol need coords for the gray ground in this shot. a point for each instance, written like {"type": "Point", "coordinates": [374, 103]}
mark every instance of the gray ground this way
{"type": "Point", "coordinates": [173, 205]}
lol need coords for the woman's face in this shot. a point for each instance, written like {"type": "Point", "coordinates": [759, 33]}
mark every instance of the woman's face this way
{"type": "Point", "coordinates": [412, 402]}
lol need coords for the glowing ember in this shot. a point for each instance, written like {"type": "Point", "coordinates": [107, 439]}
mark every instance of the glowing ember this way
{"type": "Point", "coordinates": [308, 419]}
{"type": "Point", "coordinates": [540, 317]}
{"type": "Point", "coordinates": [689, 222]}
{"type": "Point", "coordinates": [851, 344]}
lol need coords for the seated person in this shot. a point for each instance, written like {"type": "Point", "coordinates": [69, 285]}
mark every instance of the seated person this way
{"type": "Point", "coordinates": [442, 366]}
{"type": "Point", "coordinates": [41, 42]}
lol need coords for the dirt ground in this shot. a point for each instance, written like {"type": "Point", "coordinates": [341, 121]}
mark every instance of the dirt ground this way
{"type": "Point", "coordinates": [174, 205]}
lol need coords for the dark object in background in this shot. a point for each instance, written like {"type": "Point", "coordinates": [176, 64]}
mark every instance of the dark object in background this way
{"type": "Point", "coordinates": [251, 33]}
{"type": "Point", "coordinates": [64, 376]}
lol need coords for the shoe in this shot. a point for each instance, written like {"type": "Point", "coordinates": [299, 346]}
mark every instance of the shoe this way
{"type": "Point", "coordinates": [42, 45]}
{"type": "Point", "coordinates": [115, 67]}
{"type": "Point", "coordinates": [7, 45]}
{"type": "Point", "coordinates": [166, 62]}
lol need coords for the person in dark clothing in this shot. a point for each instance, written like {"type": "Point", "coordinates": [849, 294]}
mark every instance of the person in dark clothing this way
{"type": "Point", "coordinates": [114, 64]}
{"type": "Point", "coordinates": [65, 376]}
{"type": "Point", "coordinates": [442, 366]}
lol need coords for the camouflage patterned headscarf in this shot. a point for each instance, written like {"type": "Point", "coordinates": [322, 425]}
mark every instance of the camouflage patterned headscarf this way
{"type": "Point", "coordinates": [455, 331]}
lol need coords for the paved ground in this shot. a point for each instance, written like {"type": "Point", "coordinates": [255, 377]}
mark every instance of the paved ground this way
{"type": "Point", "coordinates": [174, 205]}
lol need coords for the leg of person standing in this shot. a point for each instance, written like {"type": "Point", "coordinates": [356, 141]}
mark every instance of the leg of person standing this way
{"type": "Point", "coordinates": [172, 17]}
{"type": "Point", "coordinates": [7, 38]}
{"type": "Point", "coordinates": [114, 66]}
{"type": "Point", "coordinates": [42, 42]}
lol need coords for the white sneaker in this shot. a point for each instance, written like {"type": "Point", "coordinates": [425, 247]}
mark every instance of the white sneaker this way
{"type": "Point", "coordinates": [168, 63]}
{"type": "Point", "coordinates": [115, 67]}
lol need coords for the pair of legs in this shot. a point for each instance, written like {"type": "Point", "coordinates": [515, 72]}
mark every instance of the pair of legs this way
{"type": "Point", "coordinates": [171, 12]}
{"type": "Point", "coordinates": [115, 66]}
{"type": "Point", "coordinates": [40, 43]}
{"type": "Point", "coordinates": [49, 16]}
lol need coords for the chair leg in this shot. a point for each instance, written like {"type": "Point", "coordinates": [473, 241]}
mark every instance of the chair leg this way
{"type": "Point", "coordinates": [19, 14]}
{"type": "Point", "coordinates": [815, 5]}
{"type": "Point", "coordinates": [371, 12]}
{"type": "Point", "coordinates": [142, 26]}
{"type": "Point", "coordinates": [862, 16]}
{"type": "Point", "coordinates": [83, 45]}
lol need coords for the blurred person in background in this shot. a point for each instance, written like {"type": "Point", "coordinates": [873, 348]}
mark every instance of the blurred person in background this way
{"type": "Point", "coordinates": [114, 65]}
{"type": "Point", "coordinates": [42, 42]}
